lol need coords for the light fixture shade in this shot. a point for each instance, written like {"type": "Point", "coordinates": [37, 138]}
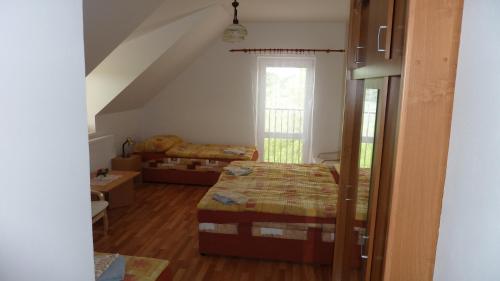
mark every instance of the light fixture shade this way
{"type": "Point", "coordinates": [235, 33]}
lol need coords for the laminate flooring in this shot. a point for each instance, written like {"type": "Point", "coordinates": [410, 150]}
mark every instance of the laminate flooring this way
{"type": "Point", "coordinates": [162, 224]}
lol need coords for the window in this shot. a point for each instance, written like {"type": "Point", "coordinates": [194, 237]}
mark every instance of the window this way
{"type": "Point", "coordinates": [284, 108]}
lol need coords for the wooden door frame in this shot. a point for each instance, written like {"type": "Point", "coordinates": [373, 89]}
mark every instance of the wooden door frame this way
{"type": "Point", "coordinates": [428, 86]}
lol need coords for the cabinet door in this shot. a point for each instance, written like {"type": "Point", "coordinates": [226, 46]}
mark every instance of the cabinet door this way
{"type": "Point", "coordinates": [384, 39]}
{"type": "Point", "coordinates": [358, 25]}
{"type": "Point", "coordinates": [379, 31]}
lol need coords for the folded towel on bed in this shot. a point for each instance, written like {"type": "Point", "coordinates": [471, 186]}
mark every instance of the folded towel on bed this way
{"type": "Point", "coordinates": [237, 171]}
{"type": "Point", "coordinates": [109, 267]}
{"type": "Point", "coordinates": [230, 198]}
{"type": "Point", "coordinates": [115, 272]}
{"type": "Point", "coordinates": [234, 151]}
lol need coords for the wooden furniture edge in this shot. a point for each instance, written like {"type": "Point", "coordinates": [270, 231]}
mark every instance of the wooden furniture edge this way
{"type": "Point", "coordinates": [376, 172]}
{"type": "Point", "coordinates": [125, 176]}
{"type": "Point", "coordinates": [429, 71]}
{"type": "Point", "coordinates": [103, 214]}
{"type": "Point", "coordinates": [348, 174]}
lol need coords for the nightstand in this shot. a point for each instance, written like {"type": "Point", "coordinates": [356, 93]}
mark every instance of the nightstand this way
{"type": "Point", "coordinates": [132, 163]}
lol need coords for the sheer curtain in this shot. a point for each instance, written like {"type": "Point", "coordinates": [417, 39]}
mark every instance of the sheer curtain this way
{"type": "Point", "coordinates": [284, 108]}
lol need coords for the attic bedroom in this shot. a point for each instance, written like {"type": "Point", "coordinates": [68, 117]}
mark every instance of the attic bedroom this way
{"type": "Point", "coordinates": [173, 74]}
{"type": "Point", "coordinates": [249, 140]}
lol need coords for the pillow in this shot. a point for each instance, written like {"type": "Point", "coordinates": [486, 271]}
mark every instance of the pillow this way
{"type": "Point", "coordinates": [161, 143]}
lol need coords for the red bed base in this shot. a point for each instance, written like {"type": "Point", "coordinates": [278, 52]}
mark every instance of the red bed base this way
{"type": "Point", "coordinates": [191, 177]}
{"type": "Point", "coordinates": [313, 250]}
{"type": "Point", "coordinates": [244, 244]}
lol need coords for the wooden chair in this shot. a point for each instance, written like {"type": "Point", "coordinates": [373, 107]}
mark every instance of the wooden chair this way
{"type": "Point", "coordinates": [325, 157]}
{"type": "Point", "coordinates": [331, 159]}
{"type": "Point", "coordinates": [99, 209]}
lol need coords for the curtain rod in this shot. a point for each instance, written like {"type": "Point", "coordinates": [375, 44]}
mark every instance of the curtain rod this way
{"type": "Point", "coordinates": [286, 51]}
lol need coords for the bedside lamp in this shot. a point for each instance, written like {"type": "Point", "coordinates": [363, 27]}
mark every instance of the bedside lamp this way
{"type": "Point", "coordinates": [127, 142]}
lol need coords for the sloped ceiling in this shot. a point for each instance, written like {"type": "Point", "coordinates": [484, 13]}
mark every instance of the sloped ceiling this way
{"type": "Point", "coordinates": [172, 10]}
{"type": "Point", "coordinates": [111, 26]}
{"type": "Point", "coordinates": [108, 23]}
{"type": "Point", "coordinates": [132, 58]}
{"type": "Point", "coordinates": [172, 62]}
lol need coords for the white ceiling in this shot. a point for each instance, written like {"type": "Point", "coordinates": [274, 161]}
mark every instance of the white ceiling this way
{"type": "Point", "coordinates": [291, 10]}
{"type": "Point", "coordinates": [158, 14]}
{"type": "Point", "coordinates": [254, 11]}
{"type": "Point", "coordinates": [209, 26]}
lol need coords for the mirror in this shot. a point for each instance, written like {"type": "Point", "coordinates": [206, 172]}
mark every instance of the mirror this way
{"type": "Point", "coordinates": [366, 155]}
{"type": "Point", "coordinates": [365, 133]}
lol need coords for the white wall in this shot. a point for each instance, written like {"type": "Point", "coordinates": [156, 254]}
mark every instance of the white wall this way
{"type": "Point", "coordinates": [469, 240]}
{"type": "Point", "coordinates": [112, 130]}
{"type": "Point", "coordinates": [121, 125]}
{"type": "Point", "coordinates": [101, 150]}
{"type": "Point", "coordinates": [45, 218]}
{"type": "Point", "coordinates": [212, 101]}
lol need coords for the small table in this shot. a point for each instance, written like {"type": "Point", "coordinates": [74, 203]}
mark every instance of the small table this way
{"type": "Point", "coordinates": [119, 192]}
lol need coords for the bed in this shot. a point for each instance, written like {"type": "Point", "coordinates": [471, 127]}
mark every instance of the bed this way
{"type": "Point", "coordinates": [286, 212]}
{"type": "Point", "coordinates": [137, 268]}
{"type": "Point", "coordinates": [168, 159]}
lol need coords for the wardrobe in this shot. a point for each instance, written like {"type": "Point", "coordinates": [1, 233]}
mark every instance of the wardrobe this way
{"type": "Point", "coordinates": [401, 69]}
{"type": "Point", "coordinates": [374, 64]}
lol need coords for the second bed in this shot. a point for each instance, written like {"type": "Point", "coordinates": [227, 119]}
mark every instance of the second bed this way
{"type": "Point", "coordinates": [168, 159]}
{"type": "Point", "coordinates": [281, 212]}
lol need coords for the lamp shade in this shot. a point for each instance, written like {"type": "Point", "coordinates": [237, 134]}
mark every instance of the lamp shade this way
{"type": "Point", "coordinates": [235, 33]}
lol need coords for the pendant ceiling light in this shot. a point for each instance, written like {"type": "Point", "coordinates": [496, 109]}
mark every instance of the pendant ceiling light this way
{"type": "Point", "coordinates": [235, 32]}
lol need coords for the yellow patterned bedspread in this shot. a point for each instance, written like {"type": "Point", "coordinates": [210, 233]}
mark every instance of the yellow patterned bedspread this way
{"type": "Point", "coordinates": [211, 151]}
{"type": "Point", "coordinates": [290, 189]}
{"type": "Point", "coordinates": [363, 194]}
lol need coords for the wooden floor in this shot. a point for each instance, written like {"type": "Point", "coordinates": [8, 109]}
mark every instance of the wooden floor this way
{"type": "Point", "coordinates": [162, 224]}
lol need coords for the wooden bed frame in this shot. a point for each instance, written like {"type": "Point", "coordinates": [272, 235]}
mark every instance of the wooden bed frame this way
{"type": "Point", "coordinates": [175, 176]}
{"type": "Point", "coordinates": [313, 250]}
{"type": "Point", "coordinates": [244, 244]}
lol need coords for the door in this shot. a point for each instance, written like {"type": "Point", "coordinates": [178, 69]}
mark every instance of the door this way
{"type": "Point", "coordinates": [362, 147]}
{"type": "Point", "coordinates": [285, 108]}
